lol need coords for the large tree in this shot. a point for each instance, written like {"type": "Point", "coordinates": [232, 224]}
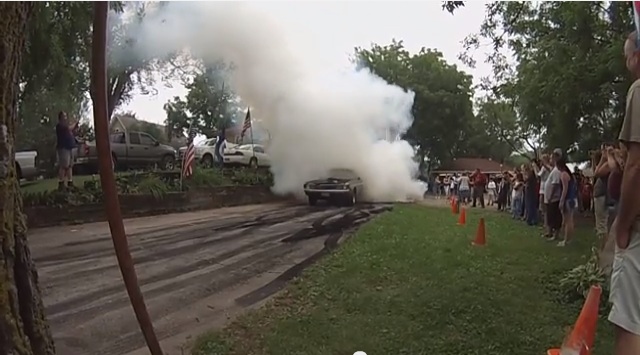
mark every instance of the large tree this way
{"type": "Point", "coordinates": [210, 104]}
{"type": "Point", "coordinates": [23, 327]}
{"type": "Point", "coordinates": [560, 64]}
{"type": "Point", "coordinates": [444, 125]}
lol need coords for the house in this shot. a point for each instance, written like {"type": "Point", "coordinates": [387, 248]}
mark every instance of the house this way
{"type": "Point", "coordinates": [461, 165]}
{"type": "Point", "coordinates": [127, 121]}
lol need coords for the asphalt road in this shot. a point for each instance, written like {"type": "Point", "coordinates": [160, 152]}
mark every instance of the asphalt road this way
{"type": "Point", "coordinates": [197, 270]}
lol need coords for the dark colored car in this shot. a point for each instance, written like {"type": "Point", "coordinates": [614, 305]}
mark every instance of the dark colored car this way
{"type": "Point", "coordinates": [342, 187]}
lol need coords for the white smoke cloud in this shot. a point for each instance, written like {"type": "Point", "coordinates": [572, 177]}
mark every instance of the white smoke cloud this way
{"type": "Point", "coordinates": [318, 119]}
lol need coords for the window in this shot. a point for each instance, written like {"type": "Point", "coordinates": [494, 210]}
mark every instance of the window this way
{"type": "Point", "coordinates": [117, 138]}
{"type": "Point", "coordinates": [258, 149]}
{"type": "Point", "coordinates": [134, 138]}
{"type": "Point", "coordinates": [146, 139]}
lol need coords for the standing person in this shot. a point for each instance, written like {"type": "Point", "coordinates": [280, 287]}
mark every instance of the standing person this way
{"type": "Point", "coordinates": [600, 196]}
{"type": "Point", "coordinates": [517, 195]}
{"type": "Point", "coordinates": [65, 144]}
{"type": "Point", "coordinates": [479, 183]}
{"type": "Point", "coordinates": [568, 201]}
{"type": "Point", "coordinates": [492, 189]}
{"type": "Point", "coordinates": [532, 197]}
{"type": "Point", "coordinates": [464, 187]}
{"type": "Point", "coordinates": [221, 145]}
{"type": "Point", "coordinates": [503, 192]}
{"type": "Point", "coordinates": [625, 276]}
{"type": "Point", "coordinates": [542, 169]}
{"type": "Point", "coordinates": [446, 184]}
{"type": "Point", "coordinates": [552, 195]}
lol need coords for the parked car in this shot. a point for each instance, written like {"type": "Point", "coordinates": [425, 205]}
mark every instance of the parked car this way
{"type": "Point", "coordinates": [27, 165]}
{"type": "Point", "coordinates": [128, 150]}
{"type": "Point", "coordinates": [243, 155]}
{"type": "Point", "coordinates": [205, 152]}
{"type": "Point", "coordinates": [342, 186]}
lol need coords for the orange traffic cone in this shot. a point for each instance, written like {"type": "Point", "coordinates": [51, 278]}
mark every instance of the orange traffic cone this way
{"type": "Point", "coordinates": [456, 206]}
{"type": "Point", "coordinates": [583, 335]}
{"type": "Point", "coordinates": [453, 206]}
{"type": "Point", "coordinates": [481, 238]}
{"type": "Point", "coordinates": [462, 220]}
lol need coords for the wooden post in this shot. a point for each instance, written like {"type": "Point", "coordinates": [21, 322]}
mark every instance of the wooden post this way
{"type": "Point", "coordinates": [107, 179]}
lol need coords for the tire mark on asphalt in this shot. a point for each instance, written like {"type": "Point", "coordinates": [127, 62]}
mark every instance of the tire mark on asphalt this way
{"type": "Point", "coordinates": [122, 301]}
{"type": "Point", "coordinates": [330, 243]}
{"type": "Point", "coordinates": [60, 307]}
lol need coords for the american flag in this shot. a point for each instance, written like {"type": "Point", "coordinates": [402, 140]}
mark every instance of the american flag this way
{"type": "Point", "coordinates": [247, 123]}
{"type": "Point", "coordinates": [189, 155]}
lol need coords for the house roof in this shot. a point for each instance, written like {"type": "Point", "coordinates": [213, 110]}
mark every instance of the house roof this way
{"type": "Point", "coordinates": [471, 164]}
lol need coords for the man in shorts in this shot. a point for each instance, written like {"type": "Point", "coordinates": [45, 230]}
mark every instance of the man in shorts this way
{"type": "Point", "coordinates": [65, 144]}
{"type": "Point", "coordinates": [625, 275]}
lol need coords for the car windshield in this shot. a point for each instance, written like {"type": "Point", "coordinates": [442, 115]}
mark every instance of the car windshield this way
{"type": "Point", "coordinates": [342, 174]}
{"type": "Point", "coordinates": [210, 142]}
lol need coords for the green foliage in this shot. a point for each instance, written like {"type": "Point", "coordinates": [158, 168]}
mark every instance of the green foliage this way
{"type": "Point", "coordinates": [568, 80]}
{"type": "Point", "coordinates": [155, 183]}
{"type": "Point", "coordinates": [444, 124]}
{"type": "Point", "coordinates": [209, 106]}
{"type": "Point", "coordinates": [154, 186]}
{"type": "Point", "coordinates": [575, 284]}
{"type": "Point", "coordinates": [203, 178]}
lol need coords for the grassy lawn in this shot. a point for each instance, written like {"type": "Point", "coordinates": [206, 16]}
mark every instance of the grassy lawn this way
{"type": "Point", "coordinates": [411, 283]}
{"type": "Point", "coordinates": [52, 184]}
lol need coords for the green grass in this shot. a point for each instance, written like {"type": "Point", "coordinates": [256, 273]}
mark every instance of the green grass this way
{"type": "Point", "coordinates": [52, 184]}
{"type": "Point", "coordinates": [411, 283]}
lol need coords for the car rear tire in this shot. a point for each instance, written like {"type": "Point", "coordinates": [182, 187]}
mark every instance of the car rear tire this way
{"type": "Point", "coordinates": [351, 199]}
{"type": "Point", "coordinates": [313, 201]}
{"type": "Point", "coordinates": [207, 161]}
{"type": "Point", "coordinates": [168, 162]}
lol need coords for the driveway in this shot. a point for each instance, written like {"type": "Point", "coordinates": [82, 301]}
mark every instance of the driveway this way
{"type": "Point", "coordinates": [197, 270]}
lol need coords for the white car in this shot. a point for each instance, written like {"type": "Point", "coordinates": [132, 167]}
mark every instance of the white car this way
{"type": "Point", "coordinates": [27, 165]}
{"type": "Point", "coordinates": [252, 155]}
{"type": "Point", "coordinates": [205, 152]}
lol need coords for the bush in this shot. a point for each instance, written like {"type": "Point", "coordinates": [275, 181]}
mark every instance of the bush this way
{"type": "Point", "coordinates": [575, 284]}
{"type": "Point", "coordinates": [204, 178]}
{"type": "Point", "coordinates": [154, 186]}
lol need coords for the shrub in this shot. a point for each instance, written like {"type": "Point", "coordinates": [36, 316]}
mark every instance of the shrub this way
{"type": "Point", "coordinates": [575, 284]}
{"type": "Point", "coordinates": [203, 178]}
{"type": "Point", "coordinates": [154, 186]}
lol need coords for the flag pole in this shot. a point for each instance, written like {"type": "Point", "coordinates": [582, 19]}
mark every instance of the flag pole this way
{"type": "Point", "coordinates": [184, 157]}
{"type": "Point", "coordinates": [251, 133]}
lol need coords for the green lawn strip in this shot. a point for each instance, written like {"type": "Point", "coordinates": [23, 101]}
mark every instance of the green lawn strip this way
{"type": "Point", "coordinates": [52, 184]}
{"type": "Point", "coordinates": [411, 283]}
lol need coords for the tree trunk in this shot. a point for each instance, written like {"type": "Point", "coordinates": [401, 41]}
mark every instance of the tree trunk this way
{"type": "Point", "coordinates": [23, 327]}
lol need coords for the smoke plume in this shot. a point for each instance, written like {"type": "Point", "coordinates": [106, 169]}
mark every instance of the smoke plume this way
{"type": "Point", "coordinates": [317, 119]}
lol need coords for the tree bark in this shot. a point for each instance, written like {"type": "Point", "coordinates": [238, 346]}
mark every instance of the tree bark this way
{"type": "Point", "coordinates": [23, 327]}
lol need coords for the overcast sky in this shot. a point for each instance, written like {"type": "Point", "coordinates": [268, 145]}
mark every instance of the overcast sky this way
{"type": "Point", "coordinates": [336, 27]}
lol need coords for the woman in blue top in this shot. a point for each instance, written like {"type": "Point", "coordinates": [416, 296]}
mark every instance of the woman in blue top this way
{"type": "Point", "coordinates": [568, 201]}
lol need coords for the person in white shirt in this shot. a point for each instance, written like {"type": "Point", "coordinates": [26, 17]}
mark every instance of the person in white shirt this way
{"type": "Point", "coordinates": [552, 196]}
{"type": "Point", "coordinates": [464, 188]}
{"type": "Point", "coordinates": [542, 169]}
{"type": "Point", "coordinates": [492, 191]}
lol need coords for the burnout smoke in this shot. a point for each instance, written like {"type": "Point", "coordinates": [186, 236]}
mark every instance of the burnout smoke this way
{"type": "Point", "coordinates": [318, 119]}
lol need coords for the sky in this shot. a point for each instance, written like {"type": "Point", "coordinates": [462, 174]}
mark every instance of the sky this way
{"type": "Point", "coordinates": [335, 28]}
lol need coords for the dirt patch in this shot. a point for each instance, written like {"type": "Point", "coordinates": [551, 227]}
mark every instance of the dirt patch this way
{"type": "Point", "coordinates": [137, 205]}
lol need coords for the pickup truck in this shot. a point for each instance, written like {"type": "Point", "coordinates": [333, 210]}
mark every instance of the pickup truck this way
{"type": "Point", "coordinates": [27, 165]}
{"type": "Point", "coordinates": [128, 150]}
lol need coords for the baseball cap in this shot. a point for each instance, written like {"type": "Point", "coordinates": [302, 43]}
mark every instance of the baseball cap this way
{"type": "Point", "coordinates": [558, 152]}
